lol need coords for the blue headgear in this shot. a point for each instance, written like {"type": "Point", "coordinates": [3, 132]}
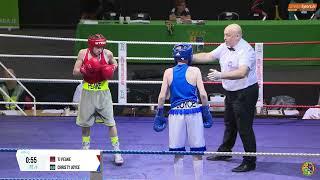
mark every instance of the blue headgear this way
{"type": "Point", "coordinates": [182, 52]}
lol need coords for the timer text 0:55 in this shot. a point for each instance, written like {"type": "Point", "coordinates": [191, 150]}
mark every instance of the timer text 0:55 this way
{"type": "Point", "coordinates": [31, 159]}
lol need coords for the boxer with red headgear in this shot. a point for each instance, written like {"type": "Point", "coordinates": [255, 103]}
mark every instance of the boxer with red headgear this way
{"type": "Point", "coordinates": [98, 41]}
{"type": "Point", "coordinates": [96, 65]}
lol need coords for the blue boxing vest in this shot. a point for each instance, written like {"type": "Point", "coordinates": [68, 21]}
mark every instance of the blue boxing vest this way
{"type": "Point", "coordinates": [180, 90]}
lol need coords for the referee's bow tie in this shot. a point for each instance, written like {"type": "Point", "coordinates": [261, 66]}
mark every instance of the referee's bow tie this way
{"type": "Point", "coordinates": [231, 49]}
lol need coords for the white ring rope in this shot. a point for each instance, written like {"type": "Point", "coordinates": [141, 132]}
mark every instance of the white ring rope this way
{"type": "Point", "coordinates": [316, 155]}
{"type": "Point", "coordinates": [264, 154]}
{"type": "Point", "coordinates": [73, 103]}
{"type": "Point", "coordinates": [76, 81]}
{"type": "Point", "coordinates": [37, 56]}
{"type": "Point", "coordinates": [41, 37]}
{"type": "Point", "coordinates": [75, 57]}
{"type": "Point", "coordinates": [149, 58]}
{"type": "Point", "coordinates": [108, 41]}
{"type": "Point", "coordinates": [45, 80]}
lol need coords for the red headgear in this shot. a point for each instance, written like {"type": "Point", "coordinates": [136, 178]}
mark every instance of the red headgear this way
{"type": "Point", "coordinates": [97, 40]}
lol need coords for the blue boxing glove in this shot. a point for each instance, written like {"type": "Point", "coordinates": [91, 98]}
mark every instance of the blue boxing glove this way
{"type": "Point", "coordinates": [160, 123]}
{"type": "Point", "coordinates": [206, 117]}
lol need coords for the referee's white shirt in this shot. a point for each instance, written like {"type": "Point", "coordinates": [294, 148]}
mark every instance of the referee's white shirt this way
{"type": "Point", "coordinates": [231, 60]}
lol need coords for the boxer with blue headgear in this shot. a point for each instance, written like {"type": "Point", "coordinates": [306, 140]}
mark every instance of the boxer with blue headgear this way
{"type": "Point", "coordinates": [182, 52]}
{"type": "Point", "coordinates": [187, 118]}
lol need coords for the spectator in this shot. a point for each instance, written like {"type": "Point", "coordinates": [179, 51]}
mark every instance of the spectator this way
{"type": "Point", "coordinates": [97, 9]}
{"type": "Point", "coordinates": [257, 11]}
{"type": "Point", "coordinates": [110, 10]}
{"type": "Point", "coordinates": [90, 9]}
{"type": "Point", "coordinates": [180, 13]}
{"type": "Point", "coordinates": [317, 14]}
{"type": "Point", "coordinates": [15, 92]}
{"type": "Point", "coordinates": [313, 113]}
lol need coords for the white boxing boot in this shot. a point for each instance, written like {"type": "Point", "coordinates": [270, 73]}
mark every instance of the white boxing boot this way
{"type": "Point", "coordinates": [118, 160]}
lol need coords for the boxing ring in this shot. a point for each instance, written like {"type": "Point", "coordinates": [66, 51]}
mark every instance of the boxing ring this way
{"type": "Point", "coordinates": [273, 135]}
{"type": "Point", "coordinates": [283, 145]}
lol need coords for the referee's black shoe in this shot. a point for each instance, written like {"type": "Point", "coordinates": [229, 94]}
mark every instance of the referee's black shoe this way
{"type": "Point", "coordinates": [245, 167]}
{"type": "Point", "coordinates": [218, 158]}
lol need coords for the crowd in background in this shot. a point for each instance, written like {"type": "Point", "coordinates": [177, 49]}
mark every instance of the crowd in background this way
{"type": "Point", "coordinates": [257, 9]}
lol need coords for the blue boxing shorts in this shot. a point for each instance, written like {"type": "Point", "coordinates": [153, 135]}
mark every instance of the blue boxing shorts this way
{"type": "Point", "coordinates": [185, 123]}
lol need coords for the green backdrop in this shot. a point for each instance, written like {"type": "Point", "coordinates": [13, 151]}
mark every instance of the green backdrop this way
{"type": "Point", "coordinates": [9, 14]}
{"type": "Point", "coordinates": [212, 31]}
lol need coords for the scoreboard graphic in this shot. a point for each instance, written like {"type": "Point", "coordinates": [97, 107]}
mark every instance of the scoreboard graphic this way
{"type": "Point", "coordinates": [59, 160]}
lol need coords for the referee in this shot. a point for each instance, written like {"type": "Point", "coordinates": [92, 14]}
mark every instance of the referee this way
{"type": "Point", "coordinates": [238, 75]}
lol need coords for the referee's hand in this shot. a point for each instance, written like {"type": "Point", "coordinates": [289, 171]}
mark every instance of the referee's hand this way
{"type": "Point", "coordinates": [214, 75]}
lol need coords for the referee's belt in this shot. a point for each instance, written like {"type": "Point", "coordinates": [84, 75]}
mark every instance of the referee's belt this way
{"type": "Point", "coordinates": [99, 86]}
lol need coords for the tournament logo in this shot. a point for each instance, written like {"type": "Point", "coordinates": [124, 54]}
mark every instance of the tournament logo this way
{"type": "Point", "coordinates": [308, 168]}
{"type": "Point", "coordinates": [197, 36]}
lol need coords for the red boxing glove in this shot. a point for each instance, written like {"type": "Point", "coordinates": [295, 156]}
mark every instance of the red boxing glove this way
{"type": "Point", "coordinates": [93, 65]}
{"type": "Point", "coordinates": [89, 77]}
{"type": "Point", "coordinates": [85, 72]}
{"type": "Point", "coordinates": [107, 71]}
{"type": "Point", "coordinates": [91, 70]}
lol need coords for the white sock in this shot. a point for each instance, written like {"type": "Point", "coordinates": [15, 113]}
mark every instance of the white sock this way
{"type": "Point", "coordinates": [116, 147]}
{"type": "Point", "coordinates": [178, 169]}
{"type": "Point", "coordinates": [115, 143]}
{"type": "Point", "coordinates": [198, 169]}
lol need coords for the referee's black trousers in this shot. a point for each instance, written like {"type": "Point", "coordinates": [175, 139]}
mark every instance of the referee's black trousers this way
{"type": "Point", "coordinates": [238, 117]}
